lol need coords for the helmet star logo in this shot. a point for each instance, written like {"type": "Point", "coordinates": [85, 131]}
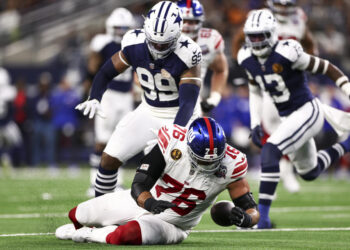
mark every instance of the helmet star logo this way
{"type": "Point", "coordinates": [137, 32]}
{"type": "Point", "coordinates": [178, 20]}
{"type": "Point", "coordinates": [150, 12]}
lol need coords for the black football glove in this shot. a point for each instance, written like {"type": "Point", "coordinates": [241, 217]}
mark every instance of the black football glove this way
{"type": "Point", "coordinates": [240, 218]}
{"type": "Point", "coordinates": [256, 134]}
{"type": "Point", "coordinates": [206, 107]}
{"type": "Point", "coordinates": [157, 206]}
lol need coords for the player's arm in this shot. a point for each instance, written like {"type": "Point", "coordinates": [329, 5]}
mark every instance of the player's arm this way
{"type": "Point", "coordinates": [114, 66]}
{"type": "Point", "coordinates": [237, 42]}
{"type": "Point", "coordinates": [219, 68]}
{"type": "Point", "coordinates": [245, 213]}
{"type": "Point", "coordinates": [189, 87]}
{"type": "Point", "coordinates": [309, 43]}
{"type": "Point", "coordinates": [318, 65]}
{"type": "Point", "coordinates": [152, 166]}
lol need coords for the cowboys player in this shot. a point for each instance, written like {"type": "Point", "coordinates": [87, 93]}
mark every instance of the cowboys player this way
{"type": "Point", "coordinates": [291, 23]}
{"type": "Point", "coordinates": [277, 68]}
{"type": "Point", "coordinates": [212, 46]}
{"type": "Point", "coordinates": [167, 65]}
{"type": "Point", "coordinates": [117, 101]}
{"type": "Point", "coordinates": [177, 181]}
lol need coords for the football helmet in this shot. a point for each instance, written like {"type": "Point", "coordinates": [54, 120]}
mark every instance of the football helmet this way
{"type": "Point", "coordinates": [206, 144]}
{"type": "Point", "coordinates": [260, 32]}
{"type": "Point", "coordinates": [282, 9]}
{"type": "Point", "coordinates": [193, 15]}
{"type": "Point", "coordinates": [118, 23]}
{"type": "Point", "coordinates": [162, 27]}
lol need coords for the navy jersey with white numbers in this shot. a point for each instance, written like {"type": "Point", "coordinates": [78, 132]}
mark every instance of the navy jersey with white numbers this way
{"type": "Point", "coordinates": [160, 78]}
{"type": "Point", "coordinates": [106, 47]}
{"type": "Point", "coordinates": [281, 75]}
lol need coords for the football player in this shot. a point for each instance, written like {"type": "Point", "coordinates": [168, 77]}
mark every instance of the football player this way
{"type": "Point", "coordinates": [167, 65]}
{"type": "Point", "coordinates": [212, 46]}
{"type": "Point", "coordinates": [277, 68]}
{"type": "Point", "coordinates": [10, 135]}
{"type": "Point", "coordinates": [291, 23]}
{"type": "Point", "coordinates": [177, 181]}
{"type": "Point", "coordinates": [117, 101]}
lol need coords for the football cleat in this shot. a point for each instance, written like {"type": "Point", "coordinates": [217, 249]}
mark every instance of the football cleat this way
{"type": "Point", "coordinates": [65, 232]}
{"type": "Point", "coordinates": [92, 234]}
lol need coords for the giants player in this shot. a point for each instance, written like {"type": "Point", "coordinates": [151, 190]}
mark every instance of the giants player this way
{"type": "Point", "coordinates": [212, 46]}
{"type": "Point", "coordinates": [117, 101]}
{"type": "Point", "coordinates": [291, 23]}
{"type": "Point", "coordinates": [178, 180]}
{"type": "Point", "coordinates": [167, 66]}
{"type": "Point", "coordinates": [277, 68]}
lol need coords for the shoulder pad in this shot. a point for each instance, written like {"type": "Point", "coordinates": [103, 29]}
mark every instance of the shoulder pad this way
{"type": "Point", "coordinates": [132, 37]}
{"type": "Point", "coordinates": [243, 54]}
{"type": "Point", "coordinates": [188, 51]}
{"type": "Point", "coordinates": [99, 42]}
{"type": "Point", "coordinates": [219, 44]}
{"type": "Point", "coordinates": [169, 135]}
{"type": "Point", "coordinates": [213, 37]}
{"type": "Point", "coordinates": [236, 163]}
{"type": "Point", "coordinates": [290, 49]}
{"type": "Point", "coordinates": [301, 14]}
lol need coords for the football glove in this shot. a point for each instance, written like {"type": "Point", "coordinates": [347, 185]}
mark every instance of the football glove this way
{"type": "Point", "coordinates": [240, 218]}
{"type": "Point", "coordinates": [91, 107]}
{"type": "Point", "coordinates": [157, 206]}
{"type": "Point", "coordinates": [211, 102]}
{"type": "Point", "coordinates": [256, 134]}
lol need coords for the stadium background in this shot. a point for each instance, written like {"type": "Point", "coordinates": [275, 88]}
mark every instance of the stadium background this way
{"type": "Point", "coordinates": [47, 40]}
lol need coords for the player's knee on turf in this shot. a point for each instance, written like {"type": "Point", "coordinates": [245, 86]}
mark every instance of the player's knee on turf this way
{"type": "Point", "coordinates": [110, 163]}
{"type": "Point", "coordinates": [128, 234]}
{"type": "Point", "coordinates": [270, 157]}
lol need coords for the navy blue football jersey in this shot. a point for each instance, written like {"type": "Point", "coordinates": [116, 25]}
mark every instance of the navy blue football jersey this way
{"type": "Point", "coordinates": [281, 75]}
{"type": "Point", "coordinates": [160, 78]}
{"type": "Point", "coordinates": [104, 45]}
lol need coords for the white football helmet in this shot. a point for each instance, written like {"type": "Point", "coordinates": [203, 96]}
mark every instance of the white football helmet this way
{"type": "Point", "coordinates": [193, 15]}
{"type": "Point", "coordinates": [260, 32]}
{"type": "Point", "coordinates": [118, 23]}
{"type": "Point", "coordinates": [162, 27]}
{"type": "Point", "coordinates": [282, 9]}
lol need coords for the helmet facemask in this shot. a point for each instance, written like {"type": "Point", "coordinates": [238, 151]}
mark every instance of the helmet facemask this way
{"type": "Point", "coordinates": [191, 28]}
{"type": "Point", "coordinates": [260, 43]}
{"type": "Point", "coordinates": [209, 165]}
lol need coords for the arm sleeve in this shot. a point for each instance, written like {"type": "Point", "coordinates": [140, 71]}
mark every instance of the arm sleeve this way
{"type": "Point", "coordinates": [152, 166]}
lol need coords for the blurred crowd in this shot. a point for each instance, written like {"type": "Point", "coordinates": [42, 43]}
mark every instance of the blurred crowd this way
{"type": "Point", "coordinates": [53, 132]}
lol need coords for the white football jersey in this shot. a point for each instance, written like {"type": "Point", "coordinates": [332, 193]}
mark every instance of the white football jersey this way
{"type": "Point", "coordinates": [191, 190]}
{"type": "Point", "coordinates": [211, 43]}
{"type": "Point", "coordinates": [294, 28]}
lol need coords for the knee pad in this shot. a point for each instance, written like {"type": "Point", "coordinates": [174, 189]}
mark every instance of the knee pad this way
{"type": "Point", "coordinates": [128, 234]}
{"type": "Point", "coordinates": [270, 157]}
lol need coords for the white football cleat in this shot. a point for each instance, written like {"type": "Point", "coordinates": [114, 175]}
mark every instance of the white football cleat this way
{"type": "Point", "coordinates": [65, 232]}
{"type": "Point", "coordinates": [289, 180]}
{"type": "Point", "coordinates": [88, 234]}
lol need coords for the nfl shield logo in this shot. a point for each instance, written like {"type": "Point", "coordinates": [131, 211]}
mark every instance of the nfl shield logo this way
{"type": "Point", "coordinates": [151, 65]}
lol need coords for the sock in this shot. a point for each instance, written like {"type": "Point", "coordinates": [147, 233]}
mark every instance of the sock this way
{"type": "Point", "coordinates": [94, 161]}
{"type": "Point", "coordinates": [106, 181]}
{"type": "Point", "coordinates": [128, 234]}
{"type": "Point", "coordinates": [326, 158]}
{"type": "Point", "coordinates": [73, 218]}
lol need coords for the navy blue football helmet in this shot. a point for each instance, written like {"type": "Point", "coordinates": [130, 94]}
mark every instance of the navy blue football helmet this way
{"type": "Point", "coordinates": [206, 144]}
{"type": "Point", "coordinates": [193, 15]}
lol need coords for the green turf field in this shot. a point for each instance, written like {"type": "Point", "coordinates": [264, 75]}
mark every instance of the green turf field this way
{"type": "Point", "coordinates": [33, 204]}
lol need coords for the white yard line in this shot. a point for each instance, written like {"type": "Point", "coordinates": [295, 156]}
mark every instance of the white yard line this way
{"type": "Point", "coordinates": [220, 231]}
{"type": "Point", "coordinates": [35, 215]}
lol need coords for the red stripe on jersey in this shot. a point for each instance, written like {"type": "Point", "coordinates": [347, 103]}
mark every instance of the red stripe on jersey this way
{"type": "Point", "coordinates": [163, 138]}
{"type": "Point", "coordinates": [211, 139]}
{"type": "Point", "coordinates": [238, 175]}
{"type": "Point", "coordinates": [242, 166]}
{"type": "Point", "coordinates": [188, 4]}
{"type": "Point", "coordinates": [217, 45]}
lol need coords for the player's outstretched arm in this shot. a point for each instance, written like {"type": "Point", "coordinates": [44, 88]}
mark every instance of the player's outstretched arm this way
{"type": "Point", "coordinates": [114, 66]}
{"type": "Point", "coordinates": [309, 44]}
{"type": "Point", "coordinates": [245, 212]}
{"type": "Point", "coordinates": [147, 174]}
{"type": "Point", "coordinates": [219, 67]}
{"type": "Point", "coordinates": [189, 87]}
{"type": "Point", "coordinates": [321, 66]}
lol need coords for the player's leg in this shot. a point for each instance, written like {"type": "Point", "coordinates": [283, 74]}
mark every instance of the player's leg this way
{"type": "Point", "coordinates": [292, 133]}
{"type": "Point", "coordinates": [310, 163]}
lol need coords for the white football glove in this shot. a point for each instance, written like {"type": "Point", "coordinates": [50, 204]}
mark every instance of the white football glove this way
{"type": "Point", "coordinates": [91, 107]}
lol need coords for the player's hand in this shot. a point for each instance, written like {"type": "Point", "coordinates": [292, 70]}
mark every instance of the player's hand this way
{"type": "Point", "coordinates": [91, 107]}
{"type": "Point", "coordinates": [256, 135]}
{"type": "Point", "coordinates": [206, 107]}
{"type": "Point", "coordinates": [157, 206]}
{"type": "Point", "coordinates": [240, 218]}
{"type": "Point", "coordinates": [211, 102]}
